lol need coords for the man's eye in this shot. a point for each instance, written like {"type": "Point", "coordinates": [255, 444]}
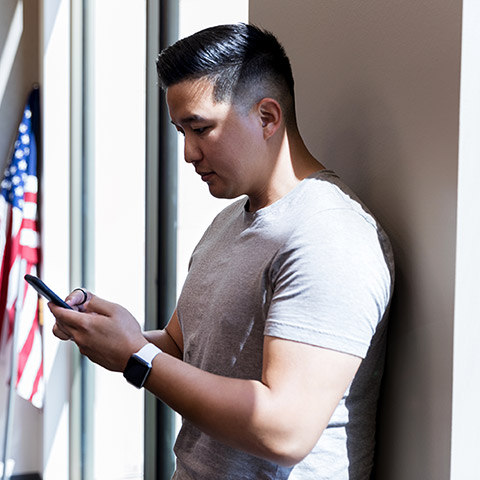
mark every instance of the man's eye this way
{"type": "Point", "coordinates": [200, 130]}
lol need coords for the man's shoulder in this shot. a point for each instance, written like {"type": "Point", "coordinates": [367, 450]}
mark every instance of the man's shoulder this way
{"type": "Point", "coordinates": [231, 211]}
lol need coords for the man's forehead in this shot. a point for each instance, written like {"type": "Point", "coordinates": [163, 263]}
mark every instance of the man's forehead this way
{"type": "Point", "coordinates": [190, 90]}
{"type": "Point", "coordinates": [188, 99]}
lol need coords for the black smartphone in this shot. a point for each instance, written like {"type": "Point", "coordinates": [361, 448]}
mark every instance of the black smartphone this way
{"type": "Point", "coordinates": [42, 289]}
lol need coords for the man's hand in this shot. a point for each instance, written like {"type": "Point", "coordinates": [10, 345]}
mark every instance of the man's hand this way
{"type": "Point", "coordinates": [105, 332]}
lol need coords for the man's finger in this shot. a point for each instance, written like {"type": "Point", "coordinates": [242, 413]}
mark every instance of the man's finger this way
{"type": "Point", "coordinates": [79, 297]}
{"type": "Point", "coordinates": [100, 306]}
{"type": "Point", "coordinates": [69, 319]}
{"type": "Point", "coordinates": [59, 333]}
{"type": "Point", "coordinates": [90, 303]}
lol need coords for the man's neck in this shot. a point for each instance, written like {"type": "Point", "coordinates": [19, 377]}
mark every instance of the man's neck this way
{"type": "Point", "coordinates": [292, 163]}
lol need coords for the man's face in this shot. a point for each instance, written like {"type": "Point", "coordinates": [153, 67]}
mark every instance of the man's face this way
{"type": "Point", "coordinates": [224, 145]}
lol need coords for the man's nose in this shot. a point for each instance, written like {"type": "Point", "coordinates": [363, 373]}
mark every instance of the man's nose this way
{"type": "Point", "coordinates": [192, 152]}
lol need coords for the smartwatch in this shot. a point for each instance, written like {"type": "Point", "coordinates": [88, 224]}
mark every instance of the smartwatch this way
{"type": "Point", "coordinates": [139, 365]}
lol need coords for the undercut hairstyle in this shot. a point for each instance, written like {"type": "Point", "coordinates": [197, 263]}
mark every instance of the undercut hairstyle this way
{"type": "Point", "coordinates": [243, 62]}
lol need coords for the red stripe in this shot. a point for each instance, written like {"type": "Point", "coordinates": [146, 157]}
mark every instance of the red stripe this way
{"type": "Point", "coordinates": [31, 255]}
{"type": "Point", "coordinates": [37, 381]}
{"type": "Point", "coordinates": [14, 244]}
{"type": "Point", "coordinates": [30, 197]}
{"type": "Point", "coordinates": [30, 224]}
{"type": "Point", "coordinates": [26, 350]}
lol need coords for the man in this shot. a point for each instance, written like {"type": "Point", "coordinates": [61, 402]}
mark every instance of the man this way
{"type": "Point", "coordinates": [274, 354]}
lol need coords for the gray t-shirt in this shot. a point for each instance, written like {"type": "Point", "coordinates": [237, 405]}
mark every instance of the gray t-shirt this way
{"type": "Point", "coordinates": [313, 267]}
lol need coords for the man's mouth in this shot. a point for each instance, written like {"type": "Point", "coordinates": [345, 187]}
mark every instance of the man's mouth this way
{"type": "Point", "coordinates": [206, 176]}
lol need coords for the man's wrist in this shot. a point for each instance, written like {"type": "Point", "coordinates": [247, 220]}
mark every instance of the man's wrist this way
{"type": "Point", "coordinates": [140, 364]}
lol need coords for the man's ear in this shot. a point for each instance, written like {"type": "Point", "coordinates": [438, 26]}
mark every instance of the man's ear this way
{"type": "Point", "coordinates": [270, 114]}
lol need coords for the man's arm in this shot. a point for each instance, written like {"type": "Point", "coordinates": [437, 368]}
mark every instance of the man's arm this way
{"type": "Point", "coordinates": [279, 418]}
{"type": "Point", "coordinates": [170, 339]}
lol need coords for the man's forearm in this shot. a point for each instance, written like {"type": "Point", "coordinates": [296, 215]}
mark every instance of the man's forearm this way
{"type": "Point", "coordinates": [163, 340]}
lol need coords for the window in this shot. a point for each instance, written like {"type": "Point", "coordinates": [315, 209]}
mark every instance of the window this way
{"type": "Point", "coordinates": [114, 139]}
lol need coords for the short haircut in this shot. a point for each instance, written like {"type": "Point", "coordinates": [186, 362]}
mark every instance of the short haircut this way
{"type": "Point", "coordinates": [243, 62]}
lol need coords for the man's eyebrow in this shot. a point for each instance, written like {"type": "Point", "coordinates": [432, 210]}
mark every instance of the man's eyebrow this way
{"type": "Point", "coordinates": [189, 119]}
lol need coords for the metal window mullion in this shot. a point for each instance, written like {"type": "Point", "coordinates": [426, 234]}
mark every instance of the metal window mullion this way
{"type": "Point", "coordinates": [82, 226]}
{"type": "Point", "coordinates": [76, 101]}
{"type": "Point", "coordinates": [161, 233]}
{"type": "Point", "coordinates": [88, 227]}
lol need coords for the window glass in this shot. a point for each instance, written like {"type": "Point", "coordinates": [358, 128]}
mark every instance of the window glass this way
{"type": "Point", "coordinates": [119, 139]}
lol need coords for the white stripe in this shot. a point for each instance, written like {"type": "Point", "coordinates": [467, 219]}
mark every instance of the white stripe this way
{"type": "Point", "coordinates": [13, 283]}
{"type": "Point", "coordinates": [17, 218]}
{"type": "Point", "coordinates": [25, 385]}
{"type": "Point", "coordinates": [30, 211]}
{"type": "Point", "coordinates": [31, 184]}
{"type": "Point", "coordinates": [29, 238]}
{"type": "Point", "coordinates": [4, 206]}
{"type": "Point", "coordinates": [4, 216]}
{"type": "Point", "coordinates": [27, 316]}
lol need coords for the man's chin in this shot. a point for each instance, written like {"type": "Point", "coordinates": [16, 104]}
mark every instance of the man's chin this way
{"type": "Point", "coordinates": [222, 193]}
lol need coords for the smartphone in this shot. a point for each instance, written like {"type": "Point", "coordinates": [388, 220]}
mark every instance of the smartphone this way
{"type": "Point", "coordinates": [42, 289]}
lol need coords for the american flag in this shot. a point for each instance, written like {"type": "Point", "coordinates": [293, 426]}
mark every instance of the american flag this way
{"type": "Point", "coordinates": [19, 254]}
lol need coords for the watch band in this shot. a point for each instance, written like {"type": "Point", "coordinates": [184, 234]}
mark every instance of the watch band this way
{"type": "Point", "coordinates": [148, 352]}
{"type": "Point", "coordinates": [139, 365]}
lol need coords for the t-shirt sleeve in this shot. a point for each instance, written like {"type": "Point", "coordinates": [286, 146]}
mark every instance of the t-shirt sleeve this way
{"type": "Point", "coordinates": [330, 283]}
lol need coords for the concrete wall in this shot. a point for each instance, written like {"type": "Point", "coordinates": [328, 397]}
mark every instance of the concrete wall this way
{"type": "Point", "coordinates": [378, 88]}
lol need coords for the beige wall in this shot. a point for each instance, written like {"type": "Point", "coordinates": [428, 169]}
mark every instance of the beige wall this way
{"type": "Point", "coordinates": [378, 87]}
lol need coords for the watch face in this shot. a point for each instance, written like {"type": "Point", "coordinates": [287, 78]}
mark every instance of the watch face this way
{"type": "Point", "coordinates": [136, 371]}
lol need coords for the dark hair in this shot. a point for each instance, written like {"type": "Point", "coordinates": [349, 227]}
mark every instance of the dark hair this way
{"type": "Point", "coordinates": [244, 63]}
